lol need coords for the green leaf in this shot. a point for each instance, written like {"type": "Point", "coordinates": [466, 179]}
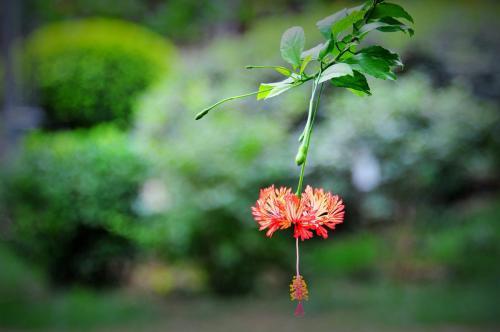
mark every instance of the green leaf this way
{"type": "Point", "coordinates": [375, 61]}
{"type": "Point", "coordinates": [387, 9]}
{"type": "Point", "coordinates": [393, 25]}
{"type": "Point", "coordinates": [340, 45]}
{"type": "Point", "coordinates": [356, 83]}
{"type": "Point", "coordinates": [292, 45]}
{"type": "Point", "coordinates": [319, 51]}
{"type": "Point", "coordinates": [337, 70]}
{"type": "Point", "coordinates": [392, 59]}
{"type": "Point", "coordinates": [305, 62]}
{"type": "Point", "coordinates": [314, 52]}
{"type": "Point", "coordinates": [325, 25]}
{"type": "Point", "coordinates": [386, 24]}
{"type": "Point", "coordinates": [269, 90]}
{"type": "Point", "coordinates": [370, 27]}
{"type": "Point", "coordinates": [327, 48]}
{"type": "Point", "coordinates": [346, 22]}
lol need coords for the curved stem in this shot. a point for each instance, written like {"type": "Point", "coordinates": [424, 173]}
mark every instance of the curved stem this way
{"type": "Point", "coordinates": [313, 110]}
{"type": "Point", "coordinates": [208, 109]}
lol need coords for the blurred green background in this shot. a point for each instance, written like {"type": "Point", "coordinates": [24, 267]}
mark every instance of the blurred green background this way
{"type": "Point", "coordinates": [119, 212]}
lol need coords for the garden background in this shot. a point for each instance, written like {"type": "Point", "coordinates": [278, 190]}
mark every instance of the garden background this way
{"type": "Point", "coordinates": [119, 212]}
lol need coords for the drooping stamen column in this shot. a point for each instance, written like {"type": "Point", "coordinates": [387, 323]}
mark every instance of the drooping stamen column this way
{"type": "Point", "coordinates": [299, 310]}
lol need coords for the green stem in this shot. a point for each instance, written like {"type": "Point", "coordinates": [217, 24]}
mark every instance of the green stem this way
{"type": "Point", "coordinates": [280, 69]}
{"type": "Point", "coordinates": [313, 110]}
{"type": "Point", "coordinates": [208, 109]}
{"type": "Point", "coordinates": [301, 179]}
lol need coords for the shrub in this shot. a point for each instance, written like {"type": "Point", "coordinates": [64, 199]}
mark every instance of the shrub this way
{"type": "Point", "coordinates": [458, 234]}
{"type": "Point", "coordinates": [90, 71]}
{"type": "Point", "coordinates": [70, 196]}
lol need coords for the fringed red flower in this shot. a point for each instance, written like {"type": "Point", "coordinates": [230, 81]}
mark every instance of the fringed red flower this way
{"type": "Point", "coordinates": [315, 211]}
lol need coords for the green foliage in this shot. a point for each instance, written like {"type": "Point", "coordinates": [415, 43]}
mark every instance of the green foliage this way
{"type": "Point", "coordinates": [27, 301]}
{"type": "Point", "coordinates": [339, 48]}
{"type": "Point", "coordinates": [86, 72]}
{"type": "Point", "coordinates": [232, 254]}
{"type": "Point", "coordinates": [269, 90]}
{"type": "Point", "coordinates": [375, 61]}
{"type": "Point", "coordinates": [340, 21]}
{"type": "Point", "coordinates": [335, 58]}
{"type": "Point", "coordinates": [457, 235]}
{"type": "Point", "coordinates": [441, 241]}
{"type": "Point", "coordinates": [292, 45]}
{"type": "Point", "coordinates": [71, 197]}
{"type": "Point", "coordinates": [356, 83]}
{"type": "Point", "coordinates": [337, 70]}
{"type": "Point", "coordinates": [331, 27]}
{"type": "Point", "coordinates": [387, 9]}
{"type": "Point", "coordinates": [355, 256]}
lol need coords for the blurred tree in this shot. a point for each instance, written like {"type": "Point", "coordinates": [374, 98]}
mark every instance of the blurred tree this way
{"type": "Point", "coordinates": [85, 72]}
{"type": "Point", "coordinates": [71, 196]}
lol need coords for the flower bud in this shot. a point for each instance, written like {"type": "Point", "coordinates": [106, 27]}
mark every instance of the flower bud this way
{"type": "Point", "coordinates": [301, 155]}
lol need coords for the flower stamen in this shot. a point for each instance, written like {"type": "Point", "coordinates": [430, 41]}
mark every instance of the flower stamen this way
{"type": "Point", "coordinates": [298, 289]}
{"type": "Point", "coordinates": [299, 292]}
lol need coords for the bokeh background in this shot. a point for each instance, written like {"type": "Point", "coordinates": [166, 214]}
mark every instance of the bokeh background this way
{"type": "Point", "coordinates": [119, 212]}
